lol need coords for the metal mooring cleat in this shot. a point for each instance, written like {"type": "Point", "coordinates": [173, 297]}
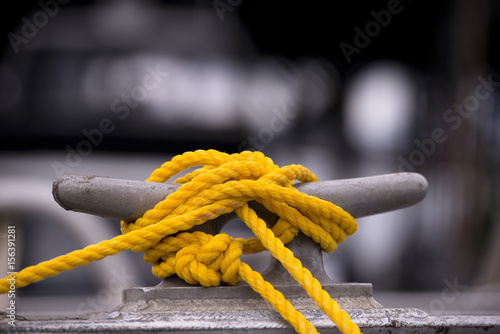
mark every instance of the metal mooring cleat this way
{"type": "Point", "coordinates": [173, 306]}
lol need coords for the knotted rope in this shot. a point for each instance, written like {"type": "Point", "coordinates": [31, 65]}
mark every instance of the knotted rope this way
{"type": "Point", "coordinates": [224, 184]}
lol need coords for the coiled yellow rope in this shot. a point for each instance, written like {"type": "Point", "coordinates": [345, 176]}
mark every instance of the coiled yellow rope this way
{"type": "Point", "coordinates": [224, 184]}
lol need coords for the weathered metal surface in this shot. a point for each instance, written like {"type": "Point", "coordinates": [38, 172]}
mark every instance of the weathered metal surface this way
{"type": "Point", "coordinates": [259, 321]}
{"type": "Point", "coordinates": [239, 298]}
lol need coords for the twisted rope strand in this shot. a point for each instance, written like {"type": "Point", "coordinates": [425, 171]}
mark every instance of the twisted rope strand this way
{"type": "Point", "coordinates": [276, 299]}
{"type": "Point", "coordinates": [295, 268]}
{"type": "Point", "coordinates": [224, 183]}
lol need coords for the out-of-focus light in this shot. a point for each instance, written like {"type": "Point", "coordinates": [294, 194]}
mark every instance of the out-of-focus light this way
{"type": "Point", "coordinates": [267, 86]}
{"type": "Point", "coordinates": [320, 82]}
{"type": "Point", "coordinates": [97, 61]}
{"type": "Point", "coordinates": [380, 106]}
{"type": "Point", "coordinates": [211, 94]}
{"type": "Point", "coordinates": [117, 22]}
{"type": "Point", "coordinates": [202, 94]}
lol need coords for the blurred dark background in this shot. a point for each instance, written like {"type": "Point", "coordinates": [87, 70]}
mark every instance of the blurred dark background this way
{"type": "Point", "coordinates": [420, 37]}
{"type": "Point", "coordinates": [348, 89]}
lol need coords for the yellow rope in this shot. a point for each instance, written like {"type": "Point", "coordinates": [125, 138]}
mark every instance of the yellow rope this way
{"type": "Point", "coordinates": [223, 184]}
